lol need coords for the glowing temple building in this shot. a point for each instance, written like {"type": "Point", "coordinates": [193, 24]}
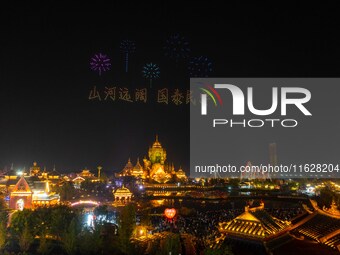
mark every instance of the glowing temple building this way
{"type": "Point", "coordinates": [9, 179]}
{"type": "Point", "coordinates": [30, 192]}
{"type": "Point", "coordinates": [154, 167]}
{"type": "Point", "coordinates": [138, 170]}
{"type": "Point", "coordinates": [180, 174]}
{"type": "Point", "coordinates": [122, 195]}
{"type": "Point", "coordinates": [255, 223]}
{"type": "Point", "coordinates": [84, 175]}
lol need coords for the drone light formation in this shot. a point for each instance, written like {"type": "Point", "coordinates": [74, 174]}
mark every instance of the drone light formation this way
{"type": "Point", "coordinates": [151, 71]}
{"type": "Point", "coordinates": [127, 47]}
{"type": "Point", "coordinates": [100, 63]}
{"type": "Point", "coordinates": [177, 47]}
{"type": "Point", "coordinates": [200, 66]}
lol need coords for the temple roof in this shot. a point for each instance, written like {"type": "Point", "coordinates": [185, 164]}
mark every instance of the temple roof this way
{"type": "Point", "coordinates": [122, 190]}
{"type": "Point", "coordinates": [128, 165]}
{"type": "Point", "coordinates": [138, 167]}
{"type": "Point", "coordinates": [156, 144]}
{"type": "Point", "coordinates": [247, 216]}
{"type": "Point", "coordinates": [39, 186]}
{"type": "Point", "coordinates": [254, 224]}
{"type": "Point", "coordinates": [30, 183]}
{"type": "Point", "coordinates": [10, 173]}
{"type": "Point", "coordinates": [54, 173]}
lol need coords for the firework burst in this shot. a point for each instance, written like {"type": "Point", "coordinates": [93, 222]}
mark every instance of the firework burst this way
{"type": "Point", "coordinates": [127, 47]}
{"type": "Point", "coordinates": [151, 71]}
{"type": "Point", "coordinates": [100, 63]}
{"type": "Point", "coordinates": [177, 47]}
{"type": "Point", "coordinates": [200, 67]}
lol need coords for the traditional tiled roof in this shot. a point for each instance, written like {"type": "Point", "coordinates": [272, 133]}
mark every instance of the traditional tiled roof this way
{"type": "Point", "coordinates": [137, 169]}
{"type": "Point", "coordinates": [254, 224]}
{"type": "Point", "coordinates": [54, 173]}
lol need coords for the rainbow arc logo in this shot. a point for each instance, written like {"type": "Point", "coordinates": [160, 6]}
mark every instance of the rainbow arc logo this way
{"type": "Point", "coordinates": [213, 94]}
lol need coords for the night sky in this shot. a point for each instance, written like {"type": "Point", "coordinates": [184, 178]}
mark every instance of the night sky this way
{"type": "Point", "coordinates": [45, 76]}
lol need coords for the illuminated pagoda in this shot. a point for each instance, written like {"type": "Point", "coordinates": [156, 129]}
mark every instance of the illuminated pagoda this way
{"type": "Point", "coordinates": [180, 174]}
{"type": "Point", "coordinates": [44, 174]}
{"type": "Point", "coordinates": [157, 154]}
{"type": "Point", "coordinates": [127, 170]}
{"type": "Point", "coordinates": [30, 192]}
{"type": "Point", "coordinates": [254, 223]}
{"type": "Point", "coordinates": [138, 171]}
{"type": "Point", "coordinates": [84, 175]}
{"type": "Point", "coordinates": [54, 177]}
{"type": "Point", "coordinates": [154, 167]}
{"type": "Point", "coordinates": [122, 195]}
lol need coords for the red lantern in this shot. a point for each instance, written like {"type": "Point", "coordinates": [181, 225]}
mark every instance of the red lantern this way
{"type": "Point", "coordinates": [170, 213]}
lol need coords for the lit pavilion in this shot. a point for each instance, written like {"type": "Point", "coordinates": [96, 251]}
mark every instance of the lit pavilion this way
{"type": "Point", "coordinates": [122, 195]}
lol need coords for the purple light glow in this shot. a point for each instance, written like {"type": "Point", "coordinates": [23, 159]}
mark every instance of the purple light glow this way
{"type": "Point", "coordinates": [100, 63]}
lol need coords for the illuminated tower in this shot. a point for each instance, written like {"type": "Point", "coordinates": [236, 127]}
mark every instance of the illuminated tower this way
{"type": "Point", "coordinates": [99, 169]}
{"type": "Point", "coordinates": [156, 153]}
{"type": "Point", "coordinates": [157, 157]}
{"type": "Point", "coordinates": [272, 154]}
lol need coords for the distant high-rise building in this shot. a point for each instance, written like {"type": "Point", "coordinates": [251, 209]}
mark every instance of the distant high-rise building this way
{"type": "Point", "coordinates": [272, 154]}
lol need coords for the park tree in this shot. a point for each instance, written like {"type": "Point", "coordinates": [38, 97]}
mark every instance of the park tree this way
{"type": "Point", "coordinates": [171, 245]}
{"type": "Point", "coordinates": [69, 237]}
{"type": "Point", "coordinates": [326, 197]}
{"type": "Point", "coordinates": [19, 220]}
{"type": "Point", "coordinates": [92, 241]}
{"type": "Point", "coordinates": [222, 250]}
{"type": "Point", "coordinates": [44, 244]}
{"type": "Point", "coordinates": [66, 191]}
{"type": "Point", "coordinates": [145, 219]}
{"type": "Point", "coordinates": [25, 238]}
{"type": "Point", "coordinates": [3, 229]}
{"type": "Point", "coordinates": [61, 217]}
{"type": "Point", "coordinates": [127, 224]}
{"type": "Point", "coordinates": [3, 205]}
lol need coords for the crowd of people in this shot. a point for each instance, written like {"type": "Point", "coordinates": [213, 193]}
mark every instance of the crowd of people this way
{"type": "Point", "coordinates": [285, 213]}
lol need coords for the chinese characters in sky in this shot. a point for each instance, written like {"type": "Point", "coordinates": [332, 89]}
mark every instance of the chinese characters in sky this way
{"type": "Point", "coordinates": [163, 96]}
